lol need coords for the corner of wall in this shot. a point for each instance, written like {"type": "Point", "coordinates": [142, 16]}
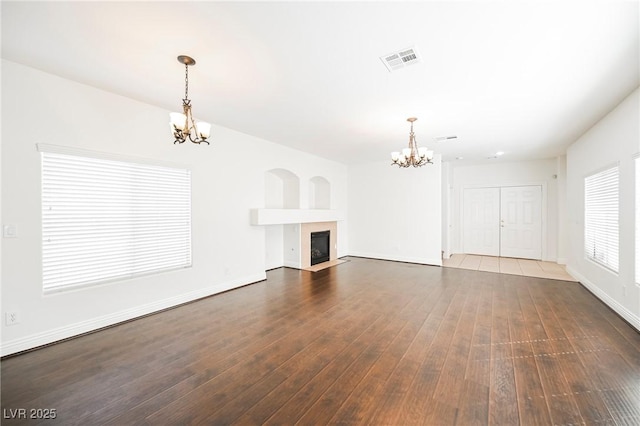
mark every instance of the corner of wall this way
{"type": "Point", "coordinates": [625, 313]}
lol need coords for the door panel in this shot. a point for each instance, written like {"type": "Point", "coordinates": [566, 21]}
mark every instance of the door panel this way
{"type": "Point", "coordinates": [481, 215]}
{"type": "Point", "coordinates": [521, 222]}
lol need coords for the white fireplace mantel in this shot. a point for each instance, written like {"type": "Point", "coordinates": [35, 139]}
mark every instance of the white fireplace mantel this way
{"type": "Point", "coordinates": [290, 216]}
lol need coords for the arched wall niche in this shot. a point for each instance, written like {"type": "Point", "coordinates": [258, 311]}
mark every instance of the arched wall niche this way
{"type": "Point", "coordinates": [282, 189]}
{"type": "Point", "coordinates": [319, 193]}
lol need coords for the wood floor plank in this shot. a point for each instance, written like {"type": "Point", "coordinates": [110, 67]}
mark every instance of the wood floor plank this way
{"type": "Point", "coordinates": [610, 377]}
{"type": "Point", "coordinates": [474, 398]}
{"type": "Point", "coordinates": [452, 381]}
{"type": "Point", "coordinates": [398, 385]}
{"type": "Point", "coordinates": [503, 406]}
{"type": "Point", "coordinates": [306, 365]}
{"type": "Point", "coordinates": [233, 381]}
{"type": "Point", "coordinates": [370, 392]}
{"type": "Point", "coordinates": [305, 399]}
{"type": "Point", "coordinates": [418, 403]}
{"type": "Point", "coordinates": [561, 401]}
{"type": "Point", "coordinates": [368, 342]}
{"type": "Point", "coordinates": [532, 409]}
{"type": "Point", "coordinates": [570, 347]}
{"type": "Point", "coordinates": [331, 401]}
{"type": "Point", "coordinates": [242, 371]}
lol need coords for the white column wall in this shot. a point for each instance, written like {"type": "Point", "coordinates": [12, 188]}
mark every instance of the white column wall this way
{"type": "Point", "coordinates": [394, 213]}
{"type": "Point", "coordinates": [274, 246]}
{"type": "Point", "coordinates": [563, 225]}
{"type": "Point", "coordinates": [447, 190]}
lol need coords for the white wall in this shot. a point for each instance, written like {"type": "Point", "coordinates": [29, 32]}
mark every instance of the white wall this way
{"type": "Point", "coordinates": [319, 193]}
{"type": "Point", "coordinates": [395, 213]}
{"type": "Point", "coordinates": [274, 246]}
{"type": "Point", "coordinates": [291, 246]}
{"type": "Point", "coordinates": [227, 251]}
{"type": "Point", "coordinates": [447, 193]}
{"type": "Point", "coordinates": [615, 139]}
{"type": "Point", "coordinates": [563, 225]}
{"type": "Point", "coordinates": [503, 173]}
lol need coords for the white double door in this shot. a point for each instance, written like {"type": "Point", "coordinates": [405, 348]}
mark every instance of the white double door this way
{"type": "Point", "coordinates": [503, 221]}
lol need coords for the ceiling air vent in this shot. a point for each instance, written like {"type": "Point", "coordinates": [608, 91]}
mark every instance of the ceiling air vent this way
{"type": "Point", "coordinates": [401, 59]}
{"type": "Point", "coordinates": [446, 138]}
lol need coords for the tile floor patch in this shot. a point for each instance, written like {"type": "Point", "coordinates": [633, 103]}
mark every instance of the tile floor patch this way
{"type": "Point", "coordinates": [507, 265]}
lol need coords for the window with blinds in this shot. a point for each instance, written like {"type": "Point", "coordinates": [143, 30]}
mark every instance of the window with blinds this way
{"type": "Point", "coordinates": [106, 219]}
{"type": "Point", "coordinates": [601, 194]}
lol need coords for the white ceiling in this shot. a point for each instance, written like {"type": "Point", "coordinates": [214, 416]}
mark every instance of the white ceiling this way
{"type": "Point", "coordinates": [520, 77]}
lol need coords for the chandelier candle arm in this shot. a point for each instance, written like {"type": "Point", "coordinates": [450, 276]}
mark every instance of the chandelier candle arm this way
{"type": "Point", "coordinates": [183, 125]}
{"type": "Point", "coordinates": [412, 155]}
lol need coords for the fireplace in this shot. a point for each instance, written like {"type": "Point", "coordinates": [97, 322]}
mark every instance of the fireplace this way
{"type": "Point", "coordinates": [320, 247]}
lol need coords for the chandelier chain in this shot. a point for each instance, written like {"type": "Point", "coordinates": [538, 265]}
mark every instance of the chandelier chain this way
{"type": "Point", "coordinates": [186, 81]}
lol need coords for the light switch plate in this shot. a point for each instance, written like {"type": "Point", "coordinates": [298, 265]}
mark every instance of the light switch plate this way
{"type": "Point", "coordinates": [9, 231]}
{"type": "Point", "coordinates": [12, 318]}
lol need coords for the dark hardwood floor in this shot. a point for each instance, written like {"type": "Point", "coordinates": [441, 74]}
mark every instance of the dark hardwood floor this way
{"type": "Point", "coordinates": [366, 342]}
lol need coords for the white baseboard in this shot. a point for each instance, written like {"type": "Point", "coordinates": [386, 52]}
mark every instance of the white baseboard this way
{"type": "Point", "coordinates": [561, 261]}
{"type": "Point", "coordinates": [422, 261]}
{"type": "Point", "coordinates": [51, 336]}
{"type": "Point", "coordinates": [629, 316]}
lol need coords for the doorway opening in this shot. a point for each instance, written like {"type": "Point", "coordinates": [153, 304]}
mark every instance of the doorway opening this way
{"type": "Point", "coordinates": [503, 221]}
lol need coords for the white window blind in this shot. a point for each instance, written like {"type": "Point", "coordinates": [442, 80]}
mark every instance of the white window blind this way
{"type": "Point", "coordinates": [601, 194]}
{"type": "Point", "coordinates": [105, 220]}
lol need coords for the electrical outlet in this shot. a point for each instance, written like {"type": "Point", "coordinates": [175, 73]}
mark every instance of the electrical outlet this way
{"type": "Point", "coordinates": [12, 318]}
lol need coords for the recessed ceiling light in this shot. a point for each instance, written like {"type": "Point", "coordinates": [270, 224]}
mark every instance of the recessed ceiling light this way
{"type": "Point", "coordinates": [459, 158]}
{"type": "Point", "coordinates": [499, 153]}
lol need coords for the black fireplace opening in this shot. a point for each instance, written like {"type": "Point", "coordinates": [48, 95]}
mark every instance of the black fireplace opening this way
{"type": "Point", "coordinates": [319, 247]}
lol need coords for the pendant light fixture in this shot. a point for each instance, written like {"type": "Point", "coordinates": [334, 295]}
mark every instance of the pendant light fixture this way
{"type": "Point", "coordinates": [182, 124]}
{"type": "Point", "coordinates": [412, 156]}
